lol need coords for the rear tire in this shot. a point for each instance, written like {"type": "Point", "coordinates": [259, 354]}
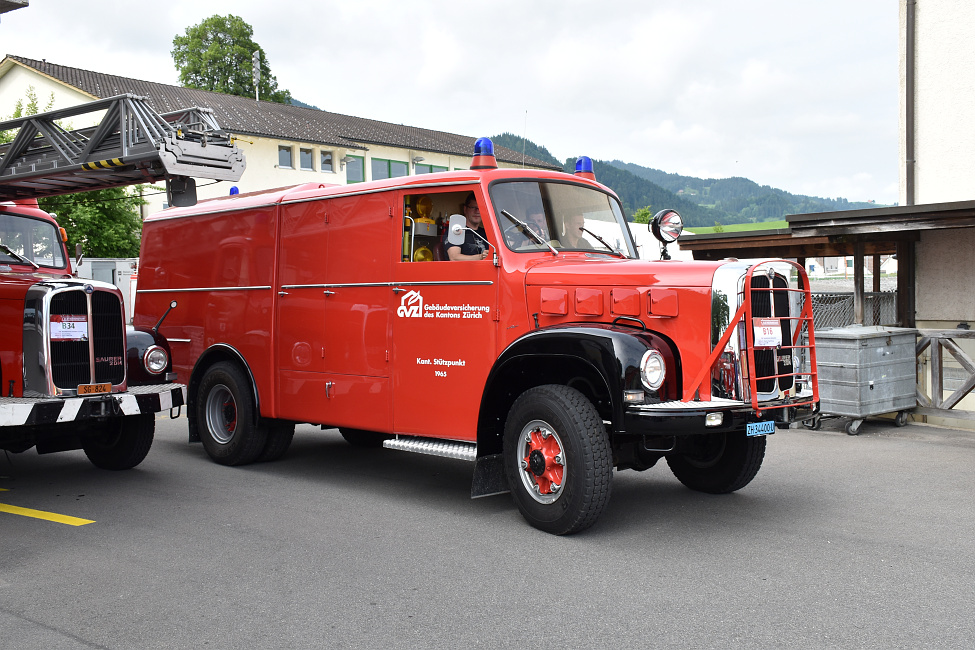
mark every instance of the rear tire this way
{"type": "Point", "coordinates": [722, 463]}
{"type": "Point", "coordinates": [124, 445]}
{"type": "Point", "coordinates": [227, 417]}
{"type": "Point", "coordinates": [557, 459]}
{"type": "Point", "coordinates": [279, 437]}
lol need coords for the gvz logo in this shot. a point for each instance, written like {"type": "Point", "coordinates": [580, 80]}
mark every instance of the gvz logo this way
{"type": "Point", "coordinates": [411, 305]}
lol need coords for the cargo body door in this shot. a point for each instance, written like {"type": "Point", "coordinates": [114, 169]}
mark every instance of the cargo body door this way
{"type": "Point", "coordinates": [357, 305]}
{"type": "Point", "coordinates": [443, 322]}
{"type": "Point", "coordinates": [300, 311]}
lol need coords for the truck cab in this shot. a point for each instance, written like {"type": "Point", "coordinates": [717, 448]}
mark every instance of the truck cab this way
{"type": "Point", "coordinates": [500, 316]}
{"type": "Point", "coordinates": [71, 376]}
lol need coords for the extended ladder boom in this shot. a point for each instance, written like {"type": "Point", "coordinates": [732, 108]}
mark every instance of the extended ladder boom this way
{"type": "Point", "coordinates": [131, 144]}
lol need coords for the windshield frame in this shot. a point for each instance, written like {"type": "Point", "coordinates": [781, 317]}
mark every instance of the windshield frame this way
{"type": "Point", "coordinates": [523, 243]}
{"type": "Point", "coordinates": [42, 262]}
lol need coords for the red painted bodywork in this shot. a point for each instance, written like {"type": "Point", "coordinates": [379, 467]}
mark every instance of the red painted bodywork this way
{"type": "Point", "coordinates": [15, 280]}
{"type": "Point", "coordinates": [249, 274]}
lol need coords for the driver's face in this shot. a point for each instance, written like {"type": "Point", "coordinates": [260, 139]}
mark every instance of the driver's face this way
{"type": "Point", "coordinates": [473, 214]}
{"type": "Point", "coordinates": [537, 222]}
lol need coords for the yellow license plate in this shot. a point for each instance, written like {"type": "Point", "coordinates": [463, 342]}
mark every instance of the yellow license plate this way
{"type": "Point", "coordinates": [94, 389]}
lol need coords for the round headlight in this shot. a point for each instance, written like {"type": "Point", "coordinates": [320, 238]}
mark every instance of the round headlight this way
{"type": "Point", "coordinates": [155, 359]}
{"type": "Point", "coordinates": [652, 369]}
{"type": "Point", "coordinates": [667, 226]}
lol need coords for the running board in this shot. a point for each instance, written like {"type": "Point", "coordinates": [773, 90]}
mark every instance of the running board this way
{"type": "Point", "coordinates": [434, 447]}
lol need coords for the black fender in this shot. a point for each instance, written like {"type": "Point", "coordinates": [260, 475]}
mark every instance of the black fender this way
{"type": "Point", "coordinates": [599, 359]}
{"type": "Point", "coordinates": [215, 354]}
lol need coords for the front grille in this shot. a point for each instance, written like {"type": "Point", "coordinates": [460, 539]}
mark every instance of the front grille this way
{"type": "Point", "coordinates": [108, 337]}
{"type": "Point", "coordinates": [767, 364]}
{"type": "Point", "coordinates": [70, 360]}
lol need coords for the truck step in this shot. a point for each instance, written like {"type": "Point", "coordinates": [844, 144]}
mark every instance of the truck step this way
{"type": "Point", "coordinates": [434, 447]}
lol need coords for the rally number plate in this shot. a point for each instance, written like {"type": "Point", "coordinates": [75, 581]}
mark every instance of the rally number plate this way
{"type": "Point", "coordinates": [94, 389]}
{"type": "Point", "coordinates": [760, 428]}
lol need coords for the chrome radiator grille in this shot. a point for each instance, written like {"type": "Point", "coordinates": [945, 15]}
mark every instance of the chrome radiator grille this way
{"type": "Point", "coordinates": [71, 360]}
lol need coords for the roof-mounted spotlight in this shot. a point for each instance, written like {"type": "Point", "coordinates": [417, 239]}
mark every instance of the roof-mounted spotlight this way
{"type": "Point", "coordinates": [666, 226]}
{"type": "Point", "coordinates": [484, 155]}
{"type": "Point", "coordinates": [584, 168]}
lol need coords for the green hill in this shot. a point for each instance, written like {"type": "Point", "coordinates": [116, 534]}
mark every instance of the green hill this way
{"type": "Point", "coordinates": [701, 201]}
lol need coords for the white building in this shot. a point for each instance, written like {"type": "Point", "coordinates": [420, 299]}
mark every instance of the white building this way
{"type": "Point", "coordinates": [283, 144]}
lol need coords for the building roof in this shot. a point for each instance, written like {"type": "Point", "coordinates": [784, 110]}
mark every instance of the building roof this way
{"type": "Point", "coordinates": [244, 116]}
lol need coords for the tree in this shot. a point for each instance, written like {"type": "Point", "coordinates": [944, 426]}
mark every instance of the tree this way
{"type": "Point", "coordinates": [643, 215]}
{"type": "Point", "coordinates": [216, 55]}
{"type": "Point", "coordinates": [21, 109]}
{"type": "Point", "coordinates": [105, 222]}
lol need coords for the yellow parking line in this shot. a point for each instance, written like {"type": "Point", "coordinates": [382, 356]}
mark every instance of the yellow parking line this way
{"type": "Point", "coordinates": [40, 514]}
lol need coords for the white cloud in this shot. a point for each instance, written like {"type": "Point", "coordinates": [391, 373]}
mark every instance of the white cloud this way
{"type": "Point", "coordinates": [800, 96]}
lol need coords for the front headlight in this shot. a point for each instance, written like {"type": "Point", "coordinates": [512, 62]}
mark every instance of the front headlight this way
{"type": "Point", "coordinates": [652, 369]}
{"type": "Point", "coordinates": [155, 359]}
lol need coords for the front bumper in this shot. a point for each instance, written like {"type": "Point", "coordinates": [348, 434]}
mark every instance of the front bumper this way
{"type": "Point", "coordinates": [30, 411]}
{"type": "Point", "coordinates": [688, 418]}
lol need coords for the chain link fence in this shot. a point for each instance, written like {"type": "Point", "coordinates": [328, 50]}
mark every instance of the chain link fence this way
{"type": "Point", "coordinates": [835, 309]}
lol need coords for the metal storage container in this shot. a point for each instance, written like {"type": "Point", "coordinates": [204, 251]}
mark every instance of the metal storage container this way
{"type": "Point", "coordinates": [866, 371]}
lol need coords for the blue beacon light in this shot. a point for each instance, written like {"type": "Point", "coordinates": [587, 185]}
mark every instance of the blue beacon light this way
{"type": "Point", "coordinates": [484, 155]}
{"type": "Point", "coordinates": [584, 168]}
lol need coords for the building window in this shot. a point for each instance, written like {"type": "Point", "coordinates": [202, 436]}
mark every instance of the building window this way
{"type": "Point", "coordinates": [306, 158]}
{"type": "Point", "coordinates": [355, 169]}
{"type": "Point", "coordinates": [285, 155]}
{"type": "Point", "coordinates": [326, 162]}
{"type": "Point", "coordinates": [428, 169]}
{"type": "Point", "coordinates": [382, 168]}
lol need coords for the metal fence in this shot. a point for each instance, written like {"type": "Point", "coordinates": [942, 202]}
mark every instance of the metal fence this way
{"type": "Point", "coordinates": [836, 309]}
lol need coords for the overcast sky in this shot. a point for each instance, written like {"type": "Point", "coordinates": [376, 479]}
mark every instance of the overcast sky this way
{"type": "Point", "coordinates": [802, 96]}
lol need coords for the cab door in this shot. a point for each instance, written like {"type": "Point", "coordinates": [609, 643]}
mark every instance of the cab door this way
{"type": "Point", "coordinates": [444, 333]}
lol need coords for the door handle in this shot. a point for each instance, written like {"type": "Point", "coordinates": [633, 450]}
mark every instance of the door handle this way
{"type": "Point", "coordinates": [398, 289]}
{"type": "Point", "coordinates": [328, 293]}
{"type": "Point", "coordinates": [282, 293]}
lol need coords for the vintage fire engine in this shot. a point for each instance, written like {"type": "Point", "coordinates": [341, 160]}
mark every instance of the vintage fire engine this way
{"type": "Point", "coordinates": [549, 354]}
{"type": "Point", "coordinates": [71, 378]}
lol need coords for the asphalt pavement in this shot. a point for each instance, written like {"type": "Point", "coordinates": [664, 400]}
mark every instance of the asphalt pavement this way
{"type": "Point", "coordinates": [839, 542]}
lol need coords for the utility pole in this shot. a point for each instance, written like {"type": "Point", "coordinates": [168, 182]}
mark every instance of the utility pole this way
{"type": "Point", "coordinates": [256, 72]}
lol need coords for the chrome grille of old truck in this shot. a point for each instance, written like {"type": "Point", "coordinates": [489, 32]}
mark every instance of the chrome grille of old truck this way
{"type": "Point", "coordinates": [86, 344]}
{"type": "Point", "coordinates": [730, 374]}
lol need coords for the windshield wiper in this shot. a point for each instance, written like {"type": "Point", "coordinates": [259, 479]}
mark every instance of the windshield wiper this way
{"type": "Point", "coordinates": [525, 228]}
{"type": "Point", "coordinates": [602, 241]}
{"type": "Point", "coordinates": [18, 257]}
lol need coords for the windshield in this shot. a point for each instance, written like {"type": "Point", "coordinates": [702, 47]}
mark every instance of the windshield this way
{"type": "Point", "coordinates": [563, 215]}
{"type": "Point", "coordinates": [34, 239]}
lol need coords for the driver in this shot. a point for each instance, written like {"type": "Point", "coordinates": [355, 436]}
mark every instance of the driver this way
{"type": "Point", "coordinates": [473, 247]}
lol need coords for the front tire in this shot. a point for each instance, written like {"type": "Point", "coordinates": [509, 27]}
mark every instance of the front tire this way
{"type": "Point", "coordinates": [720, 463]}
{"type": "Point", "coordinates": [227, 418]}
{"type": "Point", "coordinates": [557, 459]}
{"type": "Point", "coordinates": [124, 445]}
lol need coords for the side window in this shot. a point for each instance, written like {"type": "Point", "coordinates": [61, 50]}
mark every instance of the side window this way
{"type": "Point", "coordinates": [355, 171]}
{"type": "Point", "coordinates": [326, 162]}
{"type": "Point", "coordinates": [425, 220]}
{"type": "Point", "coordinates": [382, 168]}
{"type": "Point", "coordinates": [306, 156]}
{"type": "Point", "coordinates": [285, 157]}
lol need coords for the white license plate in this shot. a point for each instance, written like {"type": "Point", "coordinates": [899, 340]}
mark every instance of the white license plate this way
{"type": "Point", "coordinates": [760, 428]}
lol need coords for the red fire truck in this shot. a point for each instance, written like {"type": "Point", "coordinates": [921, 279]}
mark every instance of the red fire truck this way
{"type": "Point", "coordinates": [70, 377]}
{"type": "Point", "coordinates": [549, 353]}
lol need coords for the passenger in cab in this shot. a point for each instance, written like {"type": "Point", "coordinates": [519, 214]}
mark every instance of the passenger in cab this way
{"type": "Point", "coordinates": [573, 232]}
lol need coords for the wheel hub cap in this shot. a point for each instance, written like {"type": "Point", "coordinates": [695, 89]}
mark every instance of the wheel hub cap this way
{"type": "Point", "coordinates": [542, 461]}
